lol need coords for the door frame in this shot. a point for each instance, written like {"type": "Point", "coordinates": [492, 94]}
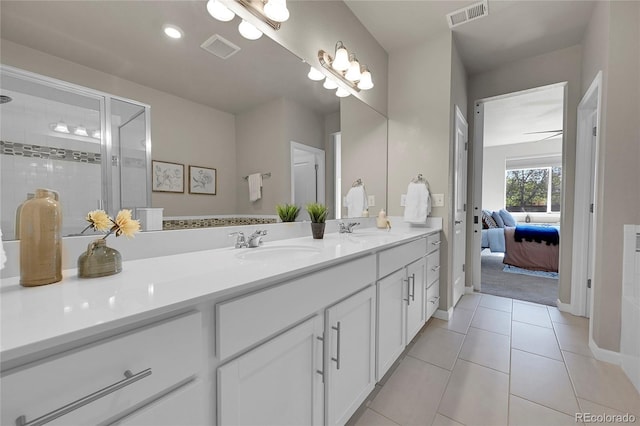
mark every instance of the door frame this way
{"type": "Point", "coordinates": [460, 124]}
{"type": "Point", "coordinates": [584, 235]}
{"type": "Point", "coordinates": [320, 181]}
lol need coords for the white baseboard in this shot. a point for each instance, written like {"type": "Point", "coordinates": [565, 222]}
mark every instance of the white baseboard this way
{"type": "Point", "coordinates": [604, 354]}
{"type": "Point", "coordinates": [443, 315]}
{"type": "Point", "coordinates": [469, 290]}
{"type": "Point", "coordinates": [564, 307]}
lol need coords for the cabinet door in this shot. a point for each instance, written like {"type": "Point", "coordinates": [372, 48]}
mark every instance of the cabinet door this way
{"type": "Point", "coordinates": [276, 383]}
{"type": "Point", "coordinates": [350, 362]}
{"type": "Point", "coordinates": [392, 295]}
{"type": "Point", "coordinates": [416, 279]}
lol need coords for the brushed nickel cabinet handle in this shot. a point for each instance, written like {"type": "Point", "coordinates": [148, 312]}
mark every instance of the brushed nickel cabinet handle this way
{"type": "Point", "coordinates": [129, 378]}
{"type": "Point", "coordinates": [435, 268]}
{"type": "Point", "coordinates": [413, 287]}
{"type": "Point", "coordinates": [408, 299]}
{"type": "Point", "coordinates": [321, 372]}
{"type": "Point", "coordinates": [436, 243]}
{"type": "Point", "coordinates": [337, 358]}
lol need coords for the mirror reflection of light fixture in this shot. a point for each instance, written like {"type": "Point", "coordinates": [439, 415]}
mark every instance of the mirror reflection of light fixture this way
{"type": "Point", "coordinates": [95, 134]}
{"type": "Point", "coordinates": [249, 31]}
{"type": "Point", "coordinates": [80, 131]}
{"type": "Point", "coordinates": [330, 84]}
{"type": "Point", "coordinates": [60, 127]}
{"type": "Point", "coordinates": [276, 10]}
{"type": "Point", "coordinates": [314, 74]}
{"type": "Point", "coordinates": [219, 11]}
{"type": "Point", "coordinates": [350, 73]}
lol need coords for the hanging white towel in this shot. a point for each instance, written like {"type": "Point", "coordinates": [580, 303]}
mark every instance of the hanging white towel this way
{"type": "Point", "coordinates": [356, 201]}
{"type": "Point", "coordinates": [255, 186]}
{"type": "Point", "coordinates": [417, 205]}
{"type": "Point", "coordinates": [3, 257]}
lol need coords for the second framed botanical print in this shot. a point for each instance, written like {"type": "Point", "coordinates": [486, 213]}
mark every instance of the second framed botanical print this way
{"type": "Point", "coordinates": [202, 180]}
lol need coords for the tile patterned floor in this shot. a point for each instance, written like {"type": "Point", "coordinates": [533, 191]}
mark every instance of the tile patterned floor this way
{"type": "Point", "coordinates": [499, 362]}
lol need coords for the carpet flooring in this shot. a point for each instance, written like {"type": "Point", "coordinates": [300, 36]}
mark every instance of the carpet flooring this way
{"type": "Point", "coordinates": [523, 287]}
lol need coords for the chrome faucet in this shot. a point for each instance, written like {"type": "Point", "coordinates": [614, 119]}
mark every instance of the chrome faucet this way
{"type": "Point", "coordinates": [255, 239]}
{"type": "Point", "coordinates": [347, 228]}
{"type": "Point", "coordinates": [241, 242]}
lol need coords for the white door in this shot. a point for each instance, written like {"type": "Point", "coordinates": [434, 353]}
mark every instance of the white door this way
{"type": "Point", "coordinates": [392, 292]}
{"type": "Point", "coordinates": [350, 362]}
{"type": "Point", "coordinates": [592, 230]}
{"type": "Point", "coordinates": [416, 277]}
{"type": "Point", "coordinates": [277, 383]}
{"type": "Point", "coordinates": [460, 206]}
{"type": "Point", "coordinates": [307, 177]}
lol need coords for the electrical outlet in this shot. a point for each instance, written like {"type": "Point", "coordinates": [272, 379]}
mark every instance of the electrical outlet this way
{"type": "Point", "coordinates": [403, 200]}
{"type": "Point", "coordinates": [371, 200]}
{"type": "Point", "coordinates": [438, 200]}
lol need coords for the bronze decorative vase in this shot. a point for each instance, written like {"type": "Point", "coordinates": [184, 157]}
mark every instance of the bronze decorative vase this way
{"type": "Point", "coordinates": [317, 230]}
{"type": "Point", "coordinates": [99, 260]}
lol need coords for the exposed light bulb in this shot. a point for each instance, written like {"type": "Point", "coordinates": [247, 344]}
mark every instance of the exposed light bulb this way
{"type": "Point", "coordinates": [365, 82]}
{"type": "Point", "coordinates": [249, 31]}
{"type": "Point", "coordinates": [353, 73]}
{"type": "Point", "coordinates": [341, 61]}
{"type": "Point", "coordinates": [60, 127]}
{"type": "Point", "coordinates": [220, 11]}
{"type": "Point", "coordinates": [329, 84]}
{"type": "Point", "coordinates": [276, 10]}
{"type": "Point", "coordinates": [80, 131]}
{"type": "Point", "coordinates": [172, 31]}
{"type": "Point", "coordinates": [342, 93]}
{"type": "Point", "coordinates": [314, 74]}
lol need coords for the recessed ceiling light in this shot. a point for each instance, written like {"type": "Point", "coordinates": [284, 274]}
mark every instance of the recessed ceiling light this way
{"type": "Point", "coordinates": [172, 31]}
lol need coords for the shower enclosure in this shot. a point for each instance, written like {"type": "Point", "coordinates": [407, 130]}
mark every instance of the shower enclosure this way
{"type": "Point", "coordinates": [93, 148]}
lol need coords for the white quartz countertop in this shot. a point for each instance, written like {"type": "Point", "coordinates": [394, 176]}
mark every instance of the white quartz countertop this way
{"type": "Point", "coordinates": [39, 318]}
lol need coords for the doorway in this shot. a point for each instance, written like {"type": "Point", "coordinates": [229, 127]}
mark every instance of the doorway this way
{"type": "Point", "coordinates": [517, 186]}
{"type": "Point", "coordinates": [307, 176]}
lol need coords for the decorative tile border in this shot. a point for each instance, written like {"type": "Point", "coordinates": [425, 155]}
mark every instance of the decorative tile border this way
{"type": "Point", "coordinates": [48, 152]}
{"type": "Point", "coordinates": [212, 222]}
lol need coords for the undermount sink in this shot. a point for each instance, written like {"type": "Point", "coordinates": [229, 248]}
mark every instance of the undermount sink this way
{"type": "Point", "coordinates": [372, 233]}
{"type": "Point", "coordinates": [287, 253]}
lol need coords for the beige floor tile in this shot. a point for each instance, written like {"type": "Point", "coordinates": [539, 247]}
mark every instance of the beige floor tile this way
{"type": "Point", "coordinates": [531, 314]}
{"type": "Point", "coordinates": [487, 348]}
{"type": "Point", "coordinates": [535, 339]}
{"type": "Point", "coordinates": [441, 420]}
{"type": "Point", "coordinates": [589, 408]}
{"type": "Point", "coordinates": [527, 413]}
{"type": "Point", "coordinates": [438, 346]}
{"type": "Point", "coordinates": [412, 393]}
{"type": "Point", "coordinates": [371, 418]}
{"type": "Point", "coordinates": [603, 383]}
{"type": "Point", "coordinates": [492, 320]}
{"type": "Point", "coordinates": [476, 395]}
{"type": "Point", "coordinates": [496, 302]}
{"type": "Point", "coordinates": [542, 380]}
{"type": "Point", "coordinates": [469, 302]}
{"type": "Point", "coordinates": [459, 322]}
{"type": "Point", "coordinates": [573, 338]}
{"type": "Point", "coordinates": [566, 318]}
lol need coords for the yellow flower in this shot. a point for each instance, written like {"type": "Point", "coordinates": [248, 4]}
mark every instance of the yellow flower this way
{"type": "Point", "coordinates": [125, 225]}
{"type": "Point", "coordinates": [99, 220]}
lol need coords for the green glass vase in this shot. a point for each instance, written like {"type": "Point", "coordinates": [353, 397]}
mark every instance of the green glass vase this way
{"type": "Point", "coordinates": [99, 260]}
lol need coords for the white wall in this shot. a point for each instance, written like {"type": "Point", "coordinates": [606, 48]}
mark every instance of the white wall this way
{"type": "Point", "coordinates": [493, 170]}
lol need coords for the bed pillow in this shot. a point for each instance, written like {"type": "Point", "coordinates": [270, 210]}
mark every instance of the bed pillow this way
{"type": "Point", "coordinates": [496, 216]}
{"type": "Point", "coordinates": [508, 218]}
{"type": "Point", "coordinates": [487, 220]}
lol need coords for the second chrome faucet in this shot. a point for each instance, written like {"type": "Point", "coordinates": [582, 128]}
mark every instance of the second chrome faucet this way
{"type": "Point", "coordinates": [253, 240]}
{"type": "Point", "coordinates": [347, 228]}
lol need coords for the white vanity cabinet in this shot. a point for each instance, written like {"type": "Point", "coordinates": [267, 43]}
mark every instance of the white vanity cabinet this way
{"type": "Point", "coordinates": [432, 281]}
{"type": "Point", "coordinates": [102, 382]}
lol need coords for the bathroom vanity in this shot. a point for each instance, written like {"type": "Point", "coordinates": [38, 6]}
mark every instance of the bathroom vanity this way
{"type": "Point", "coordinates": [297, 331]}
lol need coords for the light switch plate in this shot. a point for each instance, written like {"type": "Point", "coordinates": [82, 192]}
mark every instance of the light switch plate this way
{"type": "Point", "coordinates": [438, 200]}
{"type": "Point", "coordinates": [371, 200]}
{"type": "Point", "coordinates": [403, 200]}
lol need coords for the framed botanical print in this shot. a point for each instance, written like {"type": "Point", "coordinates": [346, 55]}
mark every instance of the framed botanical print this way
{"type": "Point", "coordinates": [202, 180]}
{"type": "Point", "coordinates": [167, 177]}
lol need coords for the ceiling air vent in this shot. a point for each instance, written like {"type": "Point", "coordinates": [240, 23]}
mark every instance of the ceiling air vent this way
{"type": "Point", "coordinates": [469, 13]}
{"type": "Point", "coordinates": [220, 46]}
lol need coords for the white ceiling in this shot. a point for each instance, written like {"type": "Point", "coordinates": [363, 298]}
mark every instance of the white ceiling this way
{"type": "Point", "coordinates": [527, 117]}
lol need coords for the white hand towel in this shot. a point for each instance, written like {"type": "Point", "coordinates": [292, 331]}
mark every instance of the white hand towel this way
{"type": "Point", "coordinates": [255, 186]}
{"type": "Point", "coordinates": [417, 204]}
{"type": "Point", "coordinates": [356, 201]}
{"type": "Point", "coordinates": [3, 257]}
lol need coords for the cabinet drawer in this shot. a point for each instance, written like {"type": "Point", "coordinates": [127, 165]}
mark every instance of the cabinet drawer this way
{"type": "Point", "coordinates": [247, 320]}
{"type": "Point", "coordinates": [433, 298]}
{"type": "Point", "coordinates": [395, 258]}
{"type": "Point", "coordinates": [433, 267]}
{"type": "Point", "coordinates": [433, 242]}
{"type": "Point", "coordinates": [157, 357]}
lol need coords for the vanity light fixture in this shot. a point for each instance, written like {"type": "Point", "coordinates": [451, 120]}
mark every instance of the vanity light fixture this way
{"type": "Point", "coordinates": [172, 31]}
{"type": "Point", "coordinates": [271, 12]}
{"type": "Point", "coordinates": [60, 127]}
{"type": "Point", "coordinates": [220, 11]}
{"type": "Point", "coordinates": [80, 131]}
{"type": "Point", "coordinates": [314, 74]}
{"type": "Point", "coordinates": [346, 69]}
{"type": "Point", "coordinates": [342, 92]}
{"type": "Point", "coordinates": [329, 84]}
{"type": "Point", "coordinates": [276, 10]}
{"type": "Point", "coordinates": [95, 134]}
{"type": "Point", "coordinates": [249, 31]}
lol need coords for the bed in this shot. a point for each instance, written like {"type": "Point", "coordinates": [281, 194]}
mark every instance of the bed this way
{"type": "Point", "coordinates": [534, 247]}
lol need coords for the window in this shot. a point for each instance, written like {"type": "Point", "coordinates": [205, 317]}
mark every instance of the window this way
{"type": "Point", "coordinates": [533, 190]}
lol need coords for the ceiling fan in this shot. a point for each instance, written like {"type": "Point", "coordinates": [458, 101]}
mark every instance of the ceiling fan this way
{"type": "Point", "coordinates": [554, 133]}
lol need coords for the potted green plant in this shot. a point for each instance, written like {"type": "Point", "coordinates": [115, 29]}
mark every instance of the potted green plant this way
{"type": "Point", "coordinates": [287, 212]}
{"type": "Point", "coordinates": [318, 214]}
